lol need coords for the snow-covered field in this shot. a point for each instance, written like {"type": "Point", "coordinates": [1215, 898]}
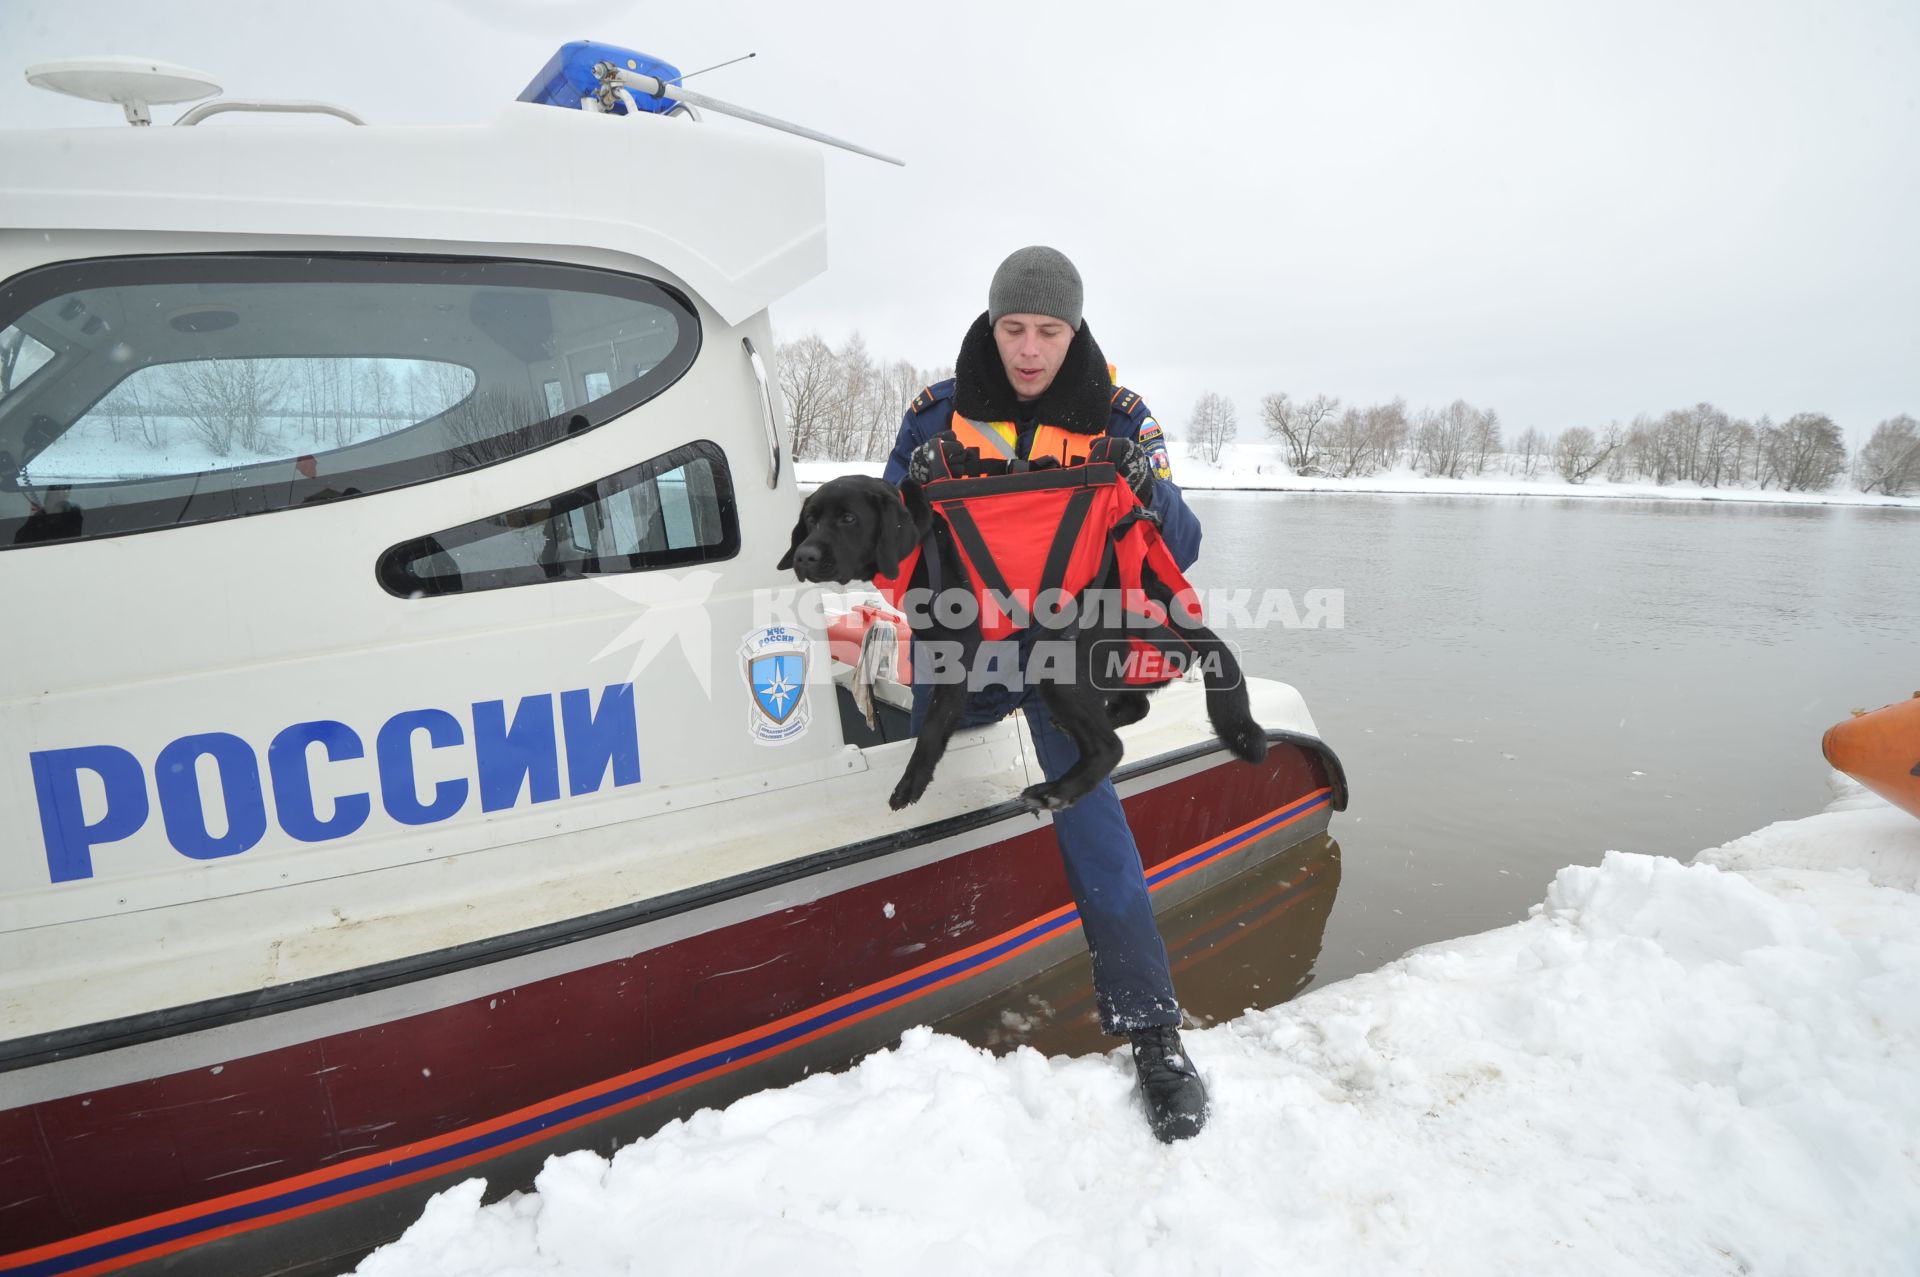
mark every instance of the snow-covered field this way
{"type": "Point", "coordinates": [1668, 1068]}
{"type": "Point", "coordinates": [1259, 467]}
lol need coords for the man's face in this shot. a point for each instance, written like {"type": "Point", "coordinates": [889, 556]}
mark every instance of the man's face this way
{"type": "Point", "coordinates": [1032, 348]}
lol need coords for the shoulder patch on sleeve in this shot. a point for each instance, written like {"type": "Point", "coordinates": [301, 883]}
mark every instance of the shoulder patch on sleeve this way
{"type": "Point", "coordinates": [1153, 441]}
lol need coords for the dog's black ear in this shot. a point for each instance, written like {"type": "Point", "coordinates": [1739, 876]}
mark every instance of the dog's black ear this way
{"type": "Point", "coordinates": [900, 527]}
{"type": "Point", "coordinates": [799, 535]}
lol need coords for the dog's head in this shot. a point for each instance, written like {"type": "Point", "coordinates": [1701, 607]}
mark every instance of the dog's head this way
{"type": "Point", "coordinates": [856, 528]}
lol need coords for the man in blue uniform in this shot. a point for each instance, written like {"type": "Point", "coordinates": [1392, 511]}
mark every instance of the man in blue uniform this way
{"type": "Point", "coordinates": [1028, 376]}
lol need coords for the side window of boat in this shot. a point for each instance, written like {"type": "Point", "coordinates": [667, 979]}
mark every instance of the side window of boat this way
{"type": "Point", "coordinates": [673, 510]}
{"type": "Point", "coordinates": [146, 393]}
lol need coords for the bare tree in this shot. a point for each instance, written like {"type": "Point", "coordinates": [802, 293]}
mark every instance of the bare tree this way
{"type": "Point", "coordinates": [485, 426]}
{"type": "Point", "coordinates": [309, 390]}
{"type": "Point", "coordinates": [1486, 439]}
{"type": "Point", "coordinates": [1616, 446]}
{"type": "Point", "coordinates": [227, 401]}
{"type": "Point", "coordinates": [894, 389]}
{"type": "Point", "coordinates": [1429, 429]}
{"type": "Point", "coordinates": [1890, 461]}
{"type": "Point", "coordinates": [1299, 425]}
{"type": "Point", "coordinates": [1348, 447]}
{"type": "Point", "coordinates": [1742, 452]}
{"type": "Point", "coordinates": [382, 395]}
{"type": "Point", "coordinates": [115, 411]}
{"type": "Point", "coordinates": [1212, 426]}
{"type": "Point", "coordinates": [1281, 416]}
{"type": "Point", "coordinates": [1532, 447]}
{"type": "Point", "coordinates": [845, 404]}
{"type": "Point", "coordinates": [1648, 451]}
{"type": "Point", "coordinates": [1693, 443]}
{"type": "Point", "coordinates": [1578, 452]}
{"type": "Point", "coordinates": [1804, 454]}
{"type": "Point", "coordinates": [1387, 433]}
{"type": "Point", "coordinates": [1679, 434]}
{"type": "Point", "coordinates": [877, 393]}
{"type": "Point", "coordinates": [346, 390]}
{"type": "Point", "coordinates": [1362, 441]}
{"type": "Point", "coordinates": [851, 417]}
{"type": "Point", "coordinates": [814, 389]}
{"type": "Point", "coordinates": [1443, 440]}
{"type": "Point", "coordinates": [1716, 446]}
{"type": "Point", "coordinates": [150, 424]}
{"type": "Point", "coordinates": [434, 388]}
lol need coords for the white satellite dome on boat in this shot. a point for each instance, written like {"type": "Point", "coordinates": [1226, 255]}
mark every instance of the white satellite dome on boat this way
{"type": "Point", "coordinates": [135, 83]}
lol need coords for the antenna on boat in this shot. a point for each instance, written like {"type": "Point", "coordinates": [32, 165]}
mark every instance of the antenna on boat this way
{"type": "Point", "coordinates": [135, 83]}
{"type": "Point", "coordinates": [654, 86]}
{"type": "Point", "coordinates": [716, 66]}
{"type": "Point", "coordinates": [604, 78]}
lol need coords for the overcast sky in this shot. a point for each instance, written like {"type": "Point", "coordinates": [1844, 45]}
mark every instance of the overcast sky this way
{"type": "Point", "coordinates": [1570, 213]}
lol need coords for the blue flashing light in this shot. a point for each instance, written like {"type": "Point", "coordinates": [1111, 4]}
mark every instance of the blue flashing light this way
{"type": "Point", "coordinates": [568, 77]}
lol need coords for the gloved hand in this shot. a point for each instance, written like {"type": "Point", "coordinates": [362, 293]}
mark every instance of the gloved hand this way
{"type": "Point", "coordinates": [938, 458]}
{"type": "Point", "coordinates": [1130, 459]}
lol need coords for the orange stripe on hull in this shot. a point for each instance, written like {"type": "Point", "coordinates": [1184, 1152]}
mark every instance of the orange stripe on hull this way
{"type": "Point", "coordinates": [1881, 750]}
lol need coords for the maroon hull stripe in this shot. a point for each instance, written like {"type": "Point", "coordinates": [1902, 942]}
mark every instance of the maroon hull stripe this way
{"type": "Point", "coordinates": [108, 1249]}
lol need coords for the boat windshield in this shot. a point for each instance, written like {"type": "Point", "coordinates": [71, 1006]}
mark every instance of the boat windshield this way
{"type": "Point", "coordinates": [20, 357]}
{"type": "Point", "coordinates": [143, 393]}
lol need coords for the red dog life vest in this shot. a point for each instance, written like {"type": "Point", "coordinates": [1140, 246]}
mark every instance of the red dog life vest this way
{"type": "Point", "coordinates": [1070, 528]}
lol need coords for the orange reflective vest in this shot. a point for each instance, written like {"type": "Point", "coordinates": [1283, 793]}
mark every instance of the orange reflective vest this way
{"type": "Point", "coordinates": [996, 441]}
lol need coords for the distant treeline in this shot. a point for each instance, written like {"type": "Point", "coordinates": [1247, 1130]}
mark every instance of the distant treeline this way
{"type": "Point", "coordinates": [1700, 444]}
{"type": "Point", "coordinates": [845, 405]}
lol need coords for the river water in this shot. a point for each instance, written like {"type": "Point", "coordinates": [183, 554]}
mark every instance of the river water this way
{"type": "Point", "coordinates": [1520, 684]}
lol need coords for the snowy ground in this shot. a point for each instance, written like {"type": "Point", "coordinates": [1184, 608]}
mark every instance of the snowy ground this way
{"type": "Point", "coordinates": [1668, 1068]}
{"type": "Point", "coordinates": [1258, 467]}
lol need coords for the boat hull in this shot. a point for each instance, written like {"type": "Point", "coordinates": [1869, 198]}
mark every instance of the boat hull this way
{"type": "Point", "coordinates": [338, 1109]}
{"type": "Point", "coordinates": [1881, 750]}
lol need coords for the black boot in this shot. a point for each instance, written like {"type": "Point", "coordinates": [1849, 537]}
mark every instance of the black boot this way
{"type": "Point", "coordinates": [1176, 1098]}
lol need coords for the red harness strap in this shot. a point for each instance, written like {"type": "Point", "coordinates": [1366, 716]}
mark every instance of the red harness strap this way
{"type": "Point", "coordinates": [1024, 535]}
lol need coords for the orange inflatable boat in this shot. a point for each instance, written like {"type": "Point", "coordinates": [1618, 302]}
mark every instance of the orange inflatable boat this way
{"type": "Point", "coordinates": [1881, 750]}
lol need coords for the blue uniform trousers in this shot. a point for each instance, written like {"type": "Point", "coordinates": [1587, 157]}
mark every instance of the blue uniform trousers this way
{"type": "Point", "coordinates": [1131, 981]}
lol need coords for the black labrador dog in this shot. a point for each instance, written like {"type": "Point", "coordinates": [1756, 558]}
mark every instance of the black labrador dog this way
{"type": "Point", "coordinates": [856, 528]}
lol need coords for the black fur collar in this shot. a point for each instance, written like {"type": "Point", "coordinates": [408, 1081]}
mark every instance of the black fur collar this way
{"type": "Point", "coordinates": [1079, 399]}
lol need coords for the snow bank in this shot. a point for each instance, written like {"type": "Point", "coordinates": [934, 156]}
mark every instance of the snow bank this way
{"type": "Point", "coordinates": [1261, 466]}
{"type": "Point", "coordinates": [1258, 467]}
{"type": "Point", "coordinates": [813, 473]}
{"type": "Point", "coordinates": [1668, 1068]}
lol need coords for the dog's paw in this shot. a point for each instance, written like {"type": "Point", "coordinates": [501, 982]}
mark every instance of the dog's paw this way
{"type": "Point", "coordinates": [1044, 798]}
{"type": "Point", "coordinates": [1246, 740]}
{"type": "Point", "coordinates": [906, 793]}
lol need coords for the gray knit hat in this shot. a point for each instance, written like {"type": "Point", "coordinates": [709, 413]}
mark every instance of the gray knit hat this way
{"type": "Point", "coordinates": [1036, 281]}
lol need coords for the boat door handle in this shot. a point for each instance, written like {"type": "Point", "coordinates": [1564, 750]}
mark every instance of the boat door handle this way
{"type": "Point", "coordinates": [766, 412]}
